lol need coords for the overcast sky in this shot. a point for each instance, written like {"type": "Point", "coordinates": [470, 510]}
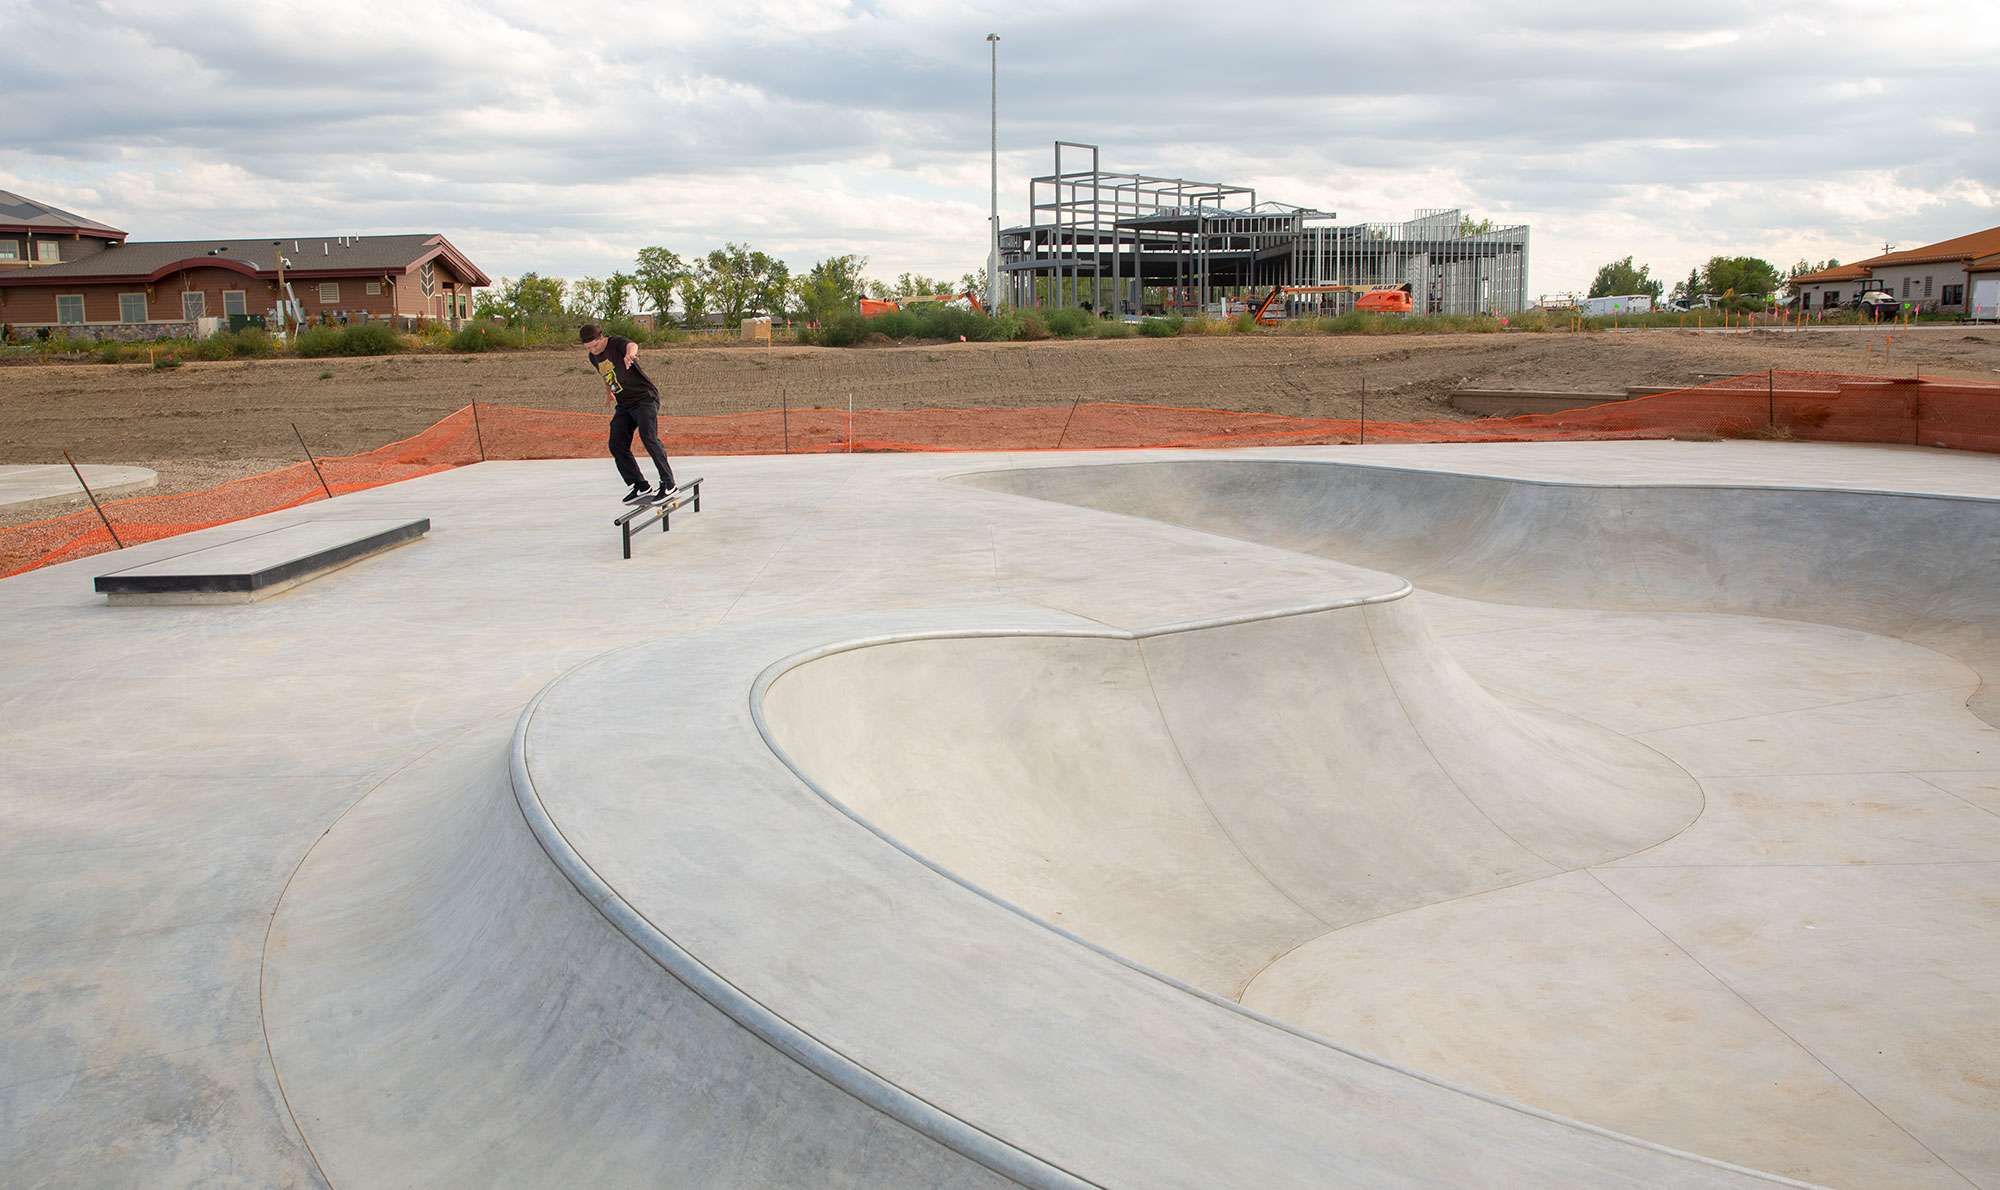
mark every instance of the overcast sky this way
{"type": "Point", "coordinates": [562, 139]}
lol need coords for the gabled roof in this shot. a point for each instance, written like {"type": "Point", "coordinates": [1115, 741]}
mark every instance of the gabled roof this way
{"type": "Point", "coordinates": [306, 258]}
{"type": "Point", "coordinates": [1985, 264]}
{"type": "Point", "coordinates": [25, 214]}
{"type": "Point", "coordinates": [1965, 247]}
{"type": "Point", "coordinates": [1839, 272]}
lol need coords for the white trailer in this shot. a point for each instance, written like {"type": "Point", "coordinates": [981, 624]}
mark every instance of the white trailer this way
{"type": "Point", "coordinates": [1985, 301]}
{"type": "Point", "coordinates": [1624, 303]}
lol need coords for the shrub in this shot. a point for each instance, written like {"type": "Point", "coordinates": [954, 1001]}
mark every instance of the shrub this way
{"type": "Point", "coordinates": [248, 343]}
{"type": "Point", "coordinates": [112, 352]}
{"type": "Point", "coordinates": [1161, 328]}
{"type": "Point", "coordinates": [622, 326]}
{"type": "Point", "coordinates": [1070, 322]}
{"type": "Point", "coordinates": [1115, 329]}
{"type": "Point", "coordinates": [1244, 323]}
{"type": "Point", "coordinates": [844, 329]}
{"type": "Point", "coordinates": [316, 341]}
{"type": "Point", "coordinates": [484, 338]}
{"type": "Point", "coordinates": [211, 348]}
{"type": "Point", "coordinates": [370, 338]}
{"type": "Point", "coordinates": [1033, 329]}
{"type": "Point", "coordinates": [361, 338]}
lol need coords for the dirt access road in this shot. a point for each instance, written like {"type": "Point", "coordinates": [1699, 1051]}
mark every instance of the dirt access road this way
{"type": "Point", "coordinates": [204, 423]}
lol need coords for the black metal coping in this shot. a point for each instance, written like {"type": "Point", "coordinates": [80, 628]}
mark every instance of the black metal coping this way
{"type": "Point", "coordinates": [189, 578]}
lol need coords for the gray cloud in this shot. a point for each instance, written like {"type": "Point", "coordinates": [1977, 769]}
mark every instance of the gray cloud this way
{"type": "Point", "coordinates": [567, 142]}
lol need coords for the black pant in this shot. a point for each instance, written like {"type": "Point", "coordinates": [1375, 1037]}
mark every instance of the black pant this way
{"type": "Point", "coordinates": [644, 416]}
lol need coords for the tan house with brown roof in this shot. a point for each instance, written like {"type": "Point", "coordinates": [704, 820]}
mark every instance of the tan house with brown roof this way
{"type": "Point", "coordinates": [1934, 277]}
{"type": "Point", "coordinates": [1829, 289]}
{"type": "Point", "coordinates": [93, 283]}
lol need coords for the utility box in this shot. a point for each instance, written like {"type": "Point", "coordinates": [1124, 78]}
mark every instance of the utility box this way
{"type": "Point", "coordinates": [757, 330]}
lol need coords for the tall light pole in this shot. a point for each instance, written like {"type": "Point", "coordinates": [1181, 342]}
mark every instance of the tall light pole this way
{"type": "Point", "coordinates": [993, 246]}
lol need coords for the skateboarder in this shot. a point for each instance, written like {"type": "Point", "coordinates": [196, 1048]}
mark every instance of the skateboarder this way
{"type": "Point", "coordinates": [637, 402]}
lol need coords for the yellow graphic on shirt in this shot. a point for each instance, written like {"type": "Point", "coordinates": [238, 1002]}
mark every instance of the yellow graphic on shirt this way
{"type": "Point", "coordinates": [610, 375]}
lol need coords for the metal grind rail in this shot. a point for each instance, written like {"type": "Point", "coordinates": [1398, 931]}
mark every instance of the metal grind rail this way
{"type": "Point", "coordinates": [688, 494]}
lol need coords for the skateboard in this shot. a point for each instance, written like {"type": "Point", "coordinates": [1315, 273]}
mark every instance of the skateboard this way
{"type": "Point", "coordinates": [660, 505]}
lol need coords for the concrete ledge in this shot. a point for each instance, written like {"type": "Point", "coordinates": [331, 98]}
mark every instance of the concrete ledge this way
{"type": "Point", "coordinates": [258, 566]}
{"type": "Point", "coordinates": [1499, 402]}
{"type": "Point", "coordinates": [53, 486]}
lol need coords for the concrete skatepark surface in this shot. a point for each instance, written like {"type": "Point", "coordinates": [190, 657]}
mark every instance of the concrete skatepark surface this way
{"type": "Point", "coordinates": [53, 487]}
{"type": "Point", "coordinates": [1053, 820]}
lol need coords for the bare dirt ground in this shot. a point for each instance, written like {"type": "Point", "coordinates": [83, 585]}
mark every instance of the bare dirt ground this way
{"type": "Point", "coordinates": [204, 423]}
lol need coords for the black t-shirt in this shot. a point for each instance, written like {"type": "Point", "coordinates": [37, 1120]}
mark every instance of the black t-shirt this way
{"type": "Point", "coordinates": [626, 384]}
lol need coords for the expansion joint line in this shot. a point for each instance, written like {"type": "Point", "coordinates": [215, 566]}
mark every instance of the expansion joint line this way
{"type": "Point", "coordinates": [1750, 1004]}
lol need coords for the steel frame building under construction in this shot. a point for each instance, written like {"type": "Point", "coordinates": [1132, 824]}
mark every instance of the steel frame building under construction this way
{"type": "Point", "coordinates": [1132, 243]}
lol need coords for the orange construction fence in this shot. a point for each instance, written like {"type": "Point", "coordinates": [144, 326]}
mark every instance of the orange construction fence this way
{"type": "Point", "coordinates": [1821, 407]}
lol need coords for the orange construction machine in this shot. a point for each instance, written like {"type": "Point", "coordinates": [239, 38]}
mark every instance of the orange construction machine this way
{"type": "Point", "coordinates": [1377, 299]}
{"type": "Point", "coordinates": [870, 307]}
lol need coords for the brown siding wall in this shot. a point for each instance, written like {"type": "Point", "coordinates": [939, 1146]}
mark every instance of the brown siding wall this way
{"type": "Point", "coordinates": [401, 296]}
{"type": "Point", "coordinates": [353, 300]}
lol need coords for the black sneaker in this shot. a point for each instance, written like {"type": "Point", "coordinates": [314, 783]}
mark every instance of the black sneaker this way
{"type": "Point", "coordinates": [666, 487]}
{"type": "Point", "coordinates": [639, 494]}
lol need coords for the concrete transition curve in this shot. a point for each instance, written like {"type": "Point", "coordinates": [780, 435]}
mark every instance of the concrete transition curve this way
{"type": "Point", "coordinates": [970, 897]}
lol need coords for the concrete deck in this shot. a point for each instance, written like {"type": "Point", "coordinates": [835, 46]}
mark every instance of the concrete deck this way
{"type": "Point", "coordinates": [883, 825]}
{"type": "Point", "coordinates": [53, 486]}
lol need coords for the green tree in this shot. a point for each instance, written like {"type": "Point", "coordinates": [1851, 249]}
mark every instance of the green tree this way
{"type": "Point", "coordinates": [1619, 278]}
{"type": "Point", "coordinates": [617, 295]}
{"type": "Point", "coordinates": [830, 286]}
{"type": "Point", "coordinates": [1802, 268]}
{"type": "Point", "coordinates": [914, 284]}
{"type": "Point", "coordinates": [1688, 290]}
{"type": "Point", "coordinates": [657, 276]}
{"type": "Point", "coordinates": [586, 300]}
{"type": "Point", "coordinates": [530, 300]}
{"type": "Point", "coordinates": [741, 281]}
{"type": "Point", "coordinates": [694, 295]}
{"type": "Point", "coordinates": [1739, 276]}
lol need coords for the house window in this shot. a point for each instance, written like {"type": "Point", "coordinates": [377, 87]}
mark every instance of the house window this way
{"type": "Point", "coordinates": [193, 305]}
{"type": "Point", "coordinates": [374, 289]}
{"type": "Point", "coordinates": [131, 307]}
{"type": "Point", "coordinates": [1906, 287]}
{"type": "Point", "coordinates": [48, 250]}
{"type": "Point", "coordinates": [10, 249]}
{"type": "Point", "coordinates": [69, 309]}
{"type": "Point", "coordinates": [1927, 286]}
{"type": "Point", "coordinates": [233, 303]}
{"type": "Point", "coordinates": [1953, 295]}
{"type": "Point", "coordinates": [329, 292]}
